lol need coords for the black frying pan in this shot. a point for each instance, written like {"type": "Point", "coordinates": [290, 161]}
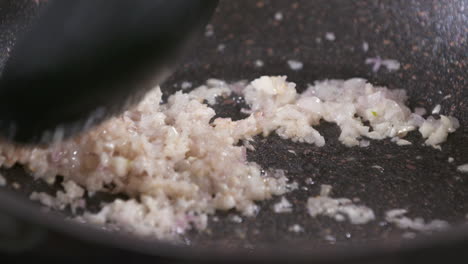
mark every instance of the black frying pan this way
{"type": "Point", "coordinates": [429, 38]}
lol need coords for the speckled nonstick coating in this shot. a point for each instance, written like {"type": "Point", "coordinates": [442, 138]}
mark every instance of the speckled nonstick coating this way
{"type": "Point", "coordinates": [428, 38]}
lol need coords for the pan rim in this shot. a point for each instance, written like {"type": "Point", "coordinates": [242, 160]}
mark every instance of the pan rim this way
{"type": "Point", "coordinates": [22, 208]}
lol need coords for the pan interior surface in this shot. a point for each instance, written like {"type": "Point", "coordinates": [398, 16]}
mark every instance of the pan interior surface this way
{"type": "Point", "coordinates": [428, 39]}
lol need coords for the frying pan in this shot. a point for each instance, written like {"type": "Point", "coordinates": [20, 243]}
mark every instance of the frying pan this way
{"type": "Point", "coordinates": [428, 38]}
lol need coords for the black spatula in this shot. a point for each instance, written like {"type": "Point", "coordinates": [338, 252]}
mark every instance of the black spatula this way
{"type": "Point", "coordinates": [86, 60]}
